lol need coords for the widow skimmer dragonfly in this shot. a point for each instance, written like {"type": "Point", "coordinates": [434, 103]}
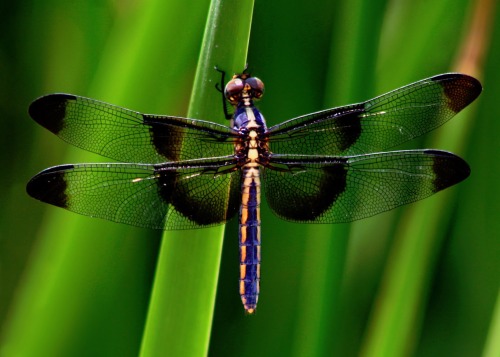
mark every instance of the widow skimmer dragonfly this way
{"type": "Point", "coordinates": [323, 167]}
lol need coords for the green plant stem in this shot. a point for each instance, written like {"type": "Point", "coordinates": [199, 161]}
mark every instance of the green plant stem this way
{"type": "Point", "coordinates": [182, 303]}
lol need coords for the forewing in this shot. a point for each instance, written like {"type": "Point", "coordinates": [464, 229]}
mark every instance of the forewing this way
{"type": "Point", "coordinates": [186, 195]}
{"type": "Point", "coordinates": [380, 123]}
{"type": "Point", "coordinates": [129, 136]}
{"type": "Point", "coordinates": [344, 189]}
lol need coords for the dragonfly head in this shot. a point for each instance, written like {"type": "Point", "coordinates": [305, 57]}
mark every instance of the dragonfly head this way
{"type": "Point", "coordinates": [243, 87]}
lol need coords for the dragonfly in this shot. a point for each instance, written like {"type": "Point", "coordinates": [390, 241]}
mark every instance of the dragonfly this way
{"type": "Point", "coordinates": [180, 173]}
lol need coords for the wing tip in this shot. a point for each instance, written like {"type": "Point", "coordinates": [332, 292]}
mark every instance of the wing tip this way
{"type": "Point", "coordinates": [50, 110]}
{"type": "Point", "coordinates": [449, 168]}
{"type": "Point", "coordinates": [50, 186]}
{"type": "Point", "coordinates": [460, 89]}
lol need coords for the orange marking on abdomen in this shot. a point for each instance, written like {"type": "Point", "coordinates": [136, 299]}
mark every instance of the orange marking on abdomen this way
{"type": "Point", "coordinates": [243, 271]}
{"type": "Point", "coordinates": [244, 215]}
{"type": "Point", "coordinates": [243, 250]}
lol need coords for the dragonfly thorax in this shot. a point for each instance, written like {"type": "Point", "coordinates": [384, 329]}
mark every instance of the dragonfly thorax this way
{"type": "Point", "coordinates": [252, 147]}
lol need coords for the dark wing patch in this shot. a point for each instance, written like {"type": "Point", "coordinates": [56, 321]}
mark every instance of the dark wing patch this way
{"type": "Point", "coordinates": [449, 169]}
{"type": "Point", "coordinates": [461, 90]}
{"type": "Point", "coordinates": [308, 190]}
{"type": "Point", "coordinates": [185, 195]}
{"type": "Point", "coordinates": [52, 188]}
{"type": "Point", "coordinates": [50, 111]}
{"type": "Point", "coordinates": [129, 136]}
{"type": "Point", "coordinates": [345, 189]}
{"type": "Point", "coordinates": [377, 124]}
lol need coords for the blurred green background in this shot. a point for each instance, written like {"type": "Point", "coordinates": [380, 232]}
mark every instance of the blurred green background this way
{"type": "Point", "coordinates": [422, 280]}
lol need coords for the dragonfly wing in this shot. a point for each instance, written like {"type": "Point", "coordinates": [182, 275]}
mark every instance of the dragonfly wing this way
{"type": "Point", "coordinates": [380, 123]}
{"type": "Point", "coordinates": [129, 136]}
{"type": "Point", "coordinates": [314, 189]}
{"type": "Point", "coordinates": [184, 195]}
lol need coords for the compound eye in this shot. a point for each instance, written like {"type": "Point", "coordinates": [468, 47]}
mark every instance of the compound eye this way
{"type": "Point", "coordinates": [233, 88]}
{"type": "Point", "coordinates": [257, 86]}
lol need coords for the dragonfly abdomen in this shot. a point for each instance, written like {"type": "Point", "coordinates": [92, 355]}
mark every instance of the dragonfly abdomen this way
{"type": "Point", "coordinates": [249, 238]}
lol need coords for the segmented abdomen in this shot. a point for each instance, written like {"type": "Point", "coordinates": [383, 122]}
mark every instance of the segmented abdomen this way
{"type": "Point", "coordinates": [249, 236]}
